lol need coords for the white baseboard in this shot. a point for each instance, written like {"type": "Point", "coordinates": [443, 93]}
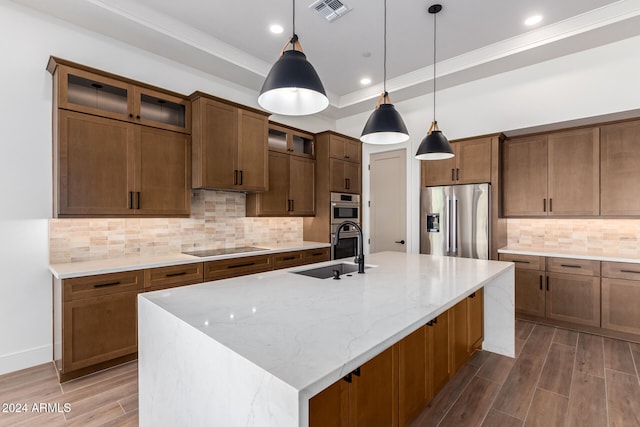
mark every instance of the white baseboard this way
{"type": "Point", "coordinates": [25, 359]}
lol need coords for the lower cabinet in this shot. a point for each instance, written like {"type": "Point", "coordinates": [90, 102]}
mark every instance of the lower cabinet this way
{"type": "Point", "coordinates": [95, 317]}
{"type": "Point", "coordinates": [366, 397]}
{"type": "Point", "coordinates": [467, 328]}
{"type": "Point", "coordinates": [567, 290]}
{"type": "Point", "coordinates": [620, 297]}
{"type": "Point", "coordinates": [394, 387]}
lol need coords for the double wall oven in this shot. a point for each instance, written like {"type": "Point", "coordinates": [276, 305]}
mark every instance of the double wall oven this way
{"type": "Point", "coordinates": [344, 207]}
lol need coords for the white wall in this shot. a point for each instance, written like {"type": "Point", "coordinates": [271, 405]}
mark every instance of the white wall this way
{"type": "Point", "coordinates": [596, 82]}
{"type": "Point", "coordinates": [27, 39]}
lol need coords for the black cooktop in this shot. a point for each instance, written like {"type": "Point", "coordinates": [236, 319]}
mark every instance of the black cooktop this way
{"type": "Point", "coordinates": [224, 251]}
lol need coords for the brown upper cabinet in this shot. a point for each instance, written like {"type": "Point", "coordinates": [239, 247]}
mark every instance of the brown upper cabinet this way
{"type": "Point", "coordinates": [292, 175]}
{"type": "Point", "coordinates": [555, 174]}
{"type": "Point", "coordinates": [92, 91]}
{"type": "Point", "coordinates": [229, 145]}
{"type": "Point", "coordinates": [471, 164]}
{"type": "Point", "coordinates": [620, 168]}
{"type": "Point", "coordinates": [291, 188]}
{"type": "Point", "coordinates": [344, 148]}
{"type": "Point", "coordinates": [108, 164]}
{"type": "Point", "coordinates": [290, 140]}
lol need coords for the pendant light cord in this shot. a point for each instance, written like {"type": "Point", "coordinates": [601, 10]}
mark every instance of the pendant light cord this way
{"type": "Point", "coordinates": [434, 67]}
{"type": "Point", "coordinates": [384, 66]}
{"type": "Point", "coordinates": [294, 16]}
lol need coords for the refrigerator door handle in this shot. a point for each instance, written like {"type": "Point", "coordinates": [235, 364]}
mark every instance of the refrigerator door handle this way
{"type": "Point", "coordinates": [447, 224]}
{"type": "Point", "coordinates": [454, 226]}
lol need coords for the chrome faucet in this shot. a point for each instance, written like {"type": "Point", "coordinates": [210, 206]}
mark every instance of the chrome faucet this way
{"type": "Point", "coordinates": [360, 255]}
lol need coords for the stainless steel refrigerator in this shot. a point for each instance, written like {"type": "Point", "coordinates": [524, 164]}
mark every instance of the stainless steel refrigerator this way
{"type": "Point", "coordinates": [455, 220]}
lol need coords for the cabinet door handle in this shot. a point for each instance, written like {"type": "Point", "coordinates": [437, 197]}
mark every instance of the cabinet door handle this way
{"type": "Point", "coordinates": [293, 208]}
{"type": "Point", "coordinates": [550, 205]}
{"type": "Point", "coordinates": [322, 253]}
{"type": "Point", "coordinates": [346, 157]}
{"type": "Point", "coordinates": [288, 258]}
{"type": "Point", "coordinates": [544, 205]}
{"type": "Point", "coordinates": [457, 174]}
{"type": "Point", "coordinates": [138, 197]}
{"type": "Point", "coordinates": [348, 182]}
{"type": "Point", "coordinates": [104, 285]}
{"type": "Point", "coordinates": [130, 199]}
{"type": "Point", "coordinates": [541, 282]}
{"type": "Point", "coordinates": [519, 261]}
{"type": "Point", "coordinates": [570, 266]}
{"type": "Point", "coordinates": [138, 117]}
{"type": "Point", "coordinates": [247, 264]}
{"type": "Point", "coordinates": [473, 295]}
{"type": "Point", "coordinates": [356, 372]}
{"type": "Point", "coordinates": [235, 177]}
{"type": "Point", "coordinates": [547, 283]}
{"type": "Point", "coordinates": [348, 378]}
{"type": "Point", "coordinates": [453, 174]}
{"type": "Point", "coordinates": [240, 177]}
{"type": "Point", "coordinates": [182, 273]}
{"type": "Point", "coordinates": [630, 271]}
{"type": "Point", "coordinates": [130, 116]}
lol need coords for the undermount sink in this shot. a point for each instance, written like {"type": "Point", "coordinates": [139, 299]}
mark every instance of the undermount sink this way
{"type": "Point", "coordinates": [328, 270]}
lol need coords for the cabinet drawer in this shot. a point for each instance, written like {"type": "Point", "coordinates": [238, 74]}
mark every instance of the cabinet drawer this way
{"type": "Point", "coordinates": [621, 270]}
{"type": "Point", "coordinates": [583, 267]}
{"type": "Point", "coordinates": [316, 255]}
{"type": "Point", "coordinates": [174, 275]}
{"type": "Point", "coordinates": [526, 262]}
{"type": "Point", "coordinates": [102, 284]}
{"type": "Point", "coordinates": [225, 268]}
{"type": "Point", "coordinates": [287, 259]}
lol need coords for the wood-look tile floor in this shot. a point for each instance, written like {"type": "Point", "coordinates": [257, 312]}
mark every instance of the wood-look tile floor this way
{"type": "Point", "coordinates": [559, 378]}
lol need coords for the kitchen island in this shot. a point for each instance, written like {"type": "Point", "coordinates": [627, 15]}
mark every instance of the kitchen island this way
{"type": "Point", "coordinates": [252, 351]}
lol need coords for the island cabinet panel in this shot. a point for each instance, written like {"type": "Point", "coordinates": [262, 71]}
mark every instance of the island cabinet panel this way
{"type": "Point", "coordinates": [413, 390]}
{"type": "Point", "coordinates": [330, 407]}
{"type": "Point", "coordinates": [466, 329]}
{"type": "Point", "coordinates": [373, 398]}
{"type": "Point", "coordinates": [439, 368]}
{"type": "Point", "coordinates": [366, 397]}
{"type": "Point", "coordinates": [234, 267]}
{"type": "Point", "coordinates": [619, 166]}
{"type": "Point", "coordinates": [229, 145]}
{"type": "Point", "coordinates": [471, 164]}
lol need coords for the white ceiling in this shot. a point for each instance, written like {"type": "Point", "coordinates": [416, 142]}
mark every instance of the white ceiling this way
{"type": "Point", "coordinates": [231, 39]}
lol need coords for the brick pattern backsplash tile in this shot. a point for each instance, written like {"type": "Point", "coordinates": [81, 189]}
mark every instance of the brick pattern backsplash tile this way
{"type": "Point", "coordinates": [217, 221]}
{"type": "Point", "coordinates": [616, 236]}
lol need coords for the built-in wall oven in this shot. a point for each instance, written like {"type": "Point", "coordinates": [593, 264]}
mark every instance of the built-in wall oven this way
{"type": "Point", "coordinates": [344, 207]}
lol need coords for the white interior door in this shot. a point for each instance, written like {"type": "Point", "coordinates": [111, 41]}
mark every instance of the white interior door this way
{"type": "Point", "coordinates": [388, 194]}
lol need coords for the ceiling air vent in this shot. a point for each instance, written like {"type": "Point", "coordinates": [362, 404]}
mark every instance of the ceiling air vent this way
{"type": "Point", "coordinates": [330, 9]}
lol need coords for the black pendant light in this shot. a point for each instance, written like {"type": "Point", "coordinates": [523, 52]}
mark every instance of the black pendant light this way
{"type": "Point", "coordinates": [292, 87]}
{"type": "Point", "coordinates": [385, 126]}
{"type": "Point", "coordinates": [435, 145]}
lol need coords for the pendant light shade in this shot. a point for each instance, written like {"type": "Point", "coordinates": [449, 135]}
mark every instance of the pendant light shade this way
{"type": "Point", "coordinates": [434, 146]}
{"type": "Point", "coordinates": [385, 126]}
{"type": "Point", "coordinates": [292, 87]}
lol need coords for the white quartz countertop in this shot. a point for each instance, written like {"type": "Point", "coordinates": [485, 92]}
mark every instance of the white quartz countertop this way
{"type": "Point", "coordinates": [139, 262]}
{"type": "Point", "coordinates": [310, 332]}
{"type": "Point", "coordinates": [596, 255]}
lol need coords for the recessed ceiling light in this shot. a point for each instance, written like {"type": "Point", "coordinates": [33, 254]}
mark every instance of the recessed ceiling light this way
{"type": "Point", "coordinates": [533, 20]}
{"type": "Point", "coordinates": [365, 81]}
{"type": "Point", "coordinates": [276, 29]}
